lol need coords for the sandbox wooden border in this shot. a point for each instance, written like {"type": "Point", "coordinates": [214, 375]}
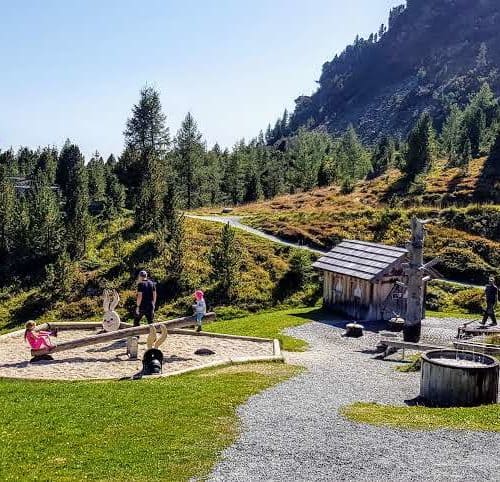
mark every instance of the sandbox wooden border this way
{"type": "Point", "coordinates": [277, 355]}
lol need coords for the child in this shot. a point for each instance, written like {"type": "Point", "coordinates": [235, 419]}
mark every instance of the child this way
{"type": "Point", "coordinates": [37, 340]}
{"type": "Point", "coordinates": [200, 308]}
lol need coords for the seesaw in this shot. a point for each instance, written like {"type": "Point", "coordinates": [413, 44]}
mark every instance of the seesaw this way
{"type": "Point", "coordinates": [120, 334]}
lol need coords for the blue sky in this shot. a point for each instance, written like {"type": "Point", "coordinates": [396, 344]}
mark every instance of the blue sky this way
{"type": "Point", "coordinates": [74, 68]}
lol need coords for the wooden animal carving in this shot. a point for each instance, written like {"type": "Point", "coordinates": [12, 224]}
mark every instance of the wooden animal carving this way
{"type": "Point", "coordinates": [111, 320]}
{"type": "Point", "coordinates": [152, 341]}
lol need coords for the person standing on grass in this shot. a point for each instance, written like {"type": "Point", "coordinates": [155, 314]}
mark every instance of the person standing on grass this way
{"type": "Point", "coordinates": [146, 299]}
{"type": "Point", "coordinates": [491, 293]}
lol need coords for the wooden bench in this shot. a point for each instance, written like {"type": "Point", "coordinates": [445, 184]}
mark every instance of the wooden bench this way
{"type": "Point", "coordinates": [391, 346]}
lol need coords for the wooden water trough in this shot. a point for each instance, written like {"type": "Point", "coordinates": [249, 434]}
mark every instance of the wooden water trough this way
{"type": "Point", "coordinates": [114, 335]}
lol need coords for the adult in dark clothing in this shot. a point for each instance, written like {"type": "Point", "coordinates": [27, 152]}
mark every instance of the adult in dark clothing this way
{"type": "Point", "coordinates": [146, 299]}
{"type": "Point", "coordinates": [491, 293]}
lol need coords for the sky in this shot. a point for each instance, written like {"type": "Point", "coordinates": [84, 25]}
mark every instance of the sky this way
{"type": "Point", "coordinates": [74, 68]}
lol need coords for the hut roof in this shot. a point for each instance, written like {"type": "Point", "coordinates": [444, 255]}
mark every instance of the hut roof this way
{"type": "Point", "coordinates": [361, 259]}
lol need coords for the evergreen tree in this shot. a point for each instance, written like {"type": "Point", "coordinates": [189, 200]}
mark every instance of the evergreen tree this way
{"type": "Point", "coordinates": [146, 131]}
{"type": "Point", "coordinates": [46, 227]}
{"type": "Point", "coordinates": [353, 160]}
{"type": "Point", "coordinates": [77, 216]}
{"type": "Point", "coordinates": [70, 160]}
{"type": "Point", "coordinates": [7, 217]}
{"type": "Point", "coordinates": [308, 151]}
{"type": "Point", "coordinates": [225, 263]}
{"type": "Point", "coordinates": [451, 134]}
{"type": "Point", "coordinates": [232, 183]}
{"type": "Point", "coordinates": [212, 177]}
{"type": "Point", "coordinates": [421, 146]}
{"type": "Point", "coordinates": [383, 156]}
{"type": "Point", "coordinates": [273, 177]}
{"type": "Point", "coordinates": [47, 165]}
{"type": "Point", "coordinates": [115, 194]}
{"type": "Point", "coordinates": [253, 187]}
{"type": "Point", "coordinates": [111, 162]}
{"type": "Point", "coordinates": [190, 151]}
{"type": "Point", "coordinates": [174, 255]}
{"type": "Point", "coordinates": [97, 178]}
{"type": "Point", "coordinates": [147, 142]}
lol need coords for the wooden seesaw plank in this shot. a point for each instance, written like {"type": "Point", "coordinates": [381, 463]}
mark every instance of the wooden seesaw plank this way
{"type": "Point", "coordinates": [121, 334]}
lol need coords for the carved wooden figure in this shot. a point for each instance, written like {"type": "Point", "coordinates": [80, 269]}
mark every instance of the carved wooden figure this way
{"type": "Point", "coordinates": [111, 320]}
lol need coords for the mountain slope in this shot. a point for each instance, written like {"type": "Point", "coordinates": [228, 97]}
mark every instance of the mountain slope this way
{"type": "Point", "coordinates": [435, 52]}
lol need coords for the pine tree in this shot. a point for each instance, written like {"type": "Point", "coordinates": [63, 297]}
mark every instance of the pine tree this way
{"type": "Point", "coordinates": [232, 183]}
{"type": "Point", "coordinates": [47, 165]}
{"type": "Point", "coordinates": [147, 142]}
{"type": "Point", "coordinates": [212, 177]}
{"type": "Point", "coordinates": [383, 156]}
{"type": "Point", "coordinates": [46, 227]}
{"type": "Point", "coordinates": [77, 216]}
{"type": "Point", "coordinates": [70, 159]}
{"type": "Point", "coordinates": [421, 146]}
{"type": "Point", "coordinates": [189, 151]}
{"type": "Point", "coordinates": [225, 263]}
{"type": "Point", "coordinates": [97, 178]}
{"type": "Point", "coordinates": [115, 194]}
{"type": "Point", "coordinates": [7, 217]}
{"type": "Point", "coordinates": [451, 134]}
{"type": "Point", "coordinates": [253, 187]}
{"type": "Point", "coordinates": [353, 160]}
{"type": "Point", "coordinates": [145, 131]}
{"type": "Point", "coordinates": [174, 255]}
{"type": "Point", "coordinates": [111, 162]}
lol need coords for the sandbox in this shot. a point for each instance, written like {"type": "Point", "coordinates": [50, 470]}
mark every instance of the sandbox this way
{"type": "Point", "coordinates": [109, 360]}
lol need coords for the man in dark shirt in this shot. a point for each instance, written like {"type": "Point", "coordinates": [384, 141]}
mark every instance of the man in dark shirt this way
{"type": "Point", "coordinates": [146, 299]}
{"type": "Point", "coordinates": [491, 293]}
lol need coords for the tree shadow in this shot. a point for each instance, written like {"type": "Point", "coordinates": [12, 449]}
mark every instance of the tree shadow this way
{"type": "Point", "coordinates": [488, 184]}
{"type": "Point", "coordinates": [398, 188]}
{"type": "Point", "coordinates": [33, 307]}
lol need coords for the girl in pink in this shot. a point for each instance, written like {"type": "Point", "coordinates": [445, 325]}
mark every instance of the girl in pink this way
{"type": "Point", "coordinates": [200, 308]}
{"type": "Point", "coordinates": [37, 339]}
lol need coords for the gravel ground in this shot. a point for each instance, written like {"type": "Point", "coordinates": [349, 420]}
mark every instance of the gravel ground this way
{"type": "Point", "coordinates": [294, 432]}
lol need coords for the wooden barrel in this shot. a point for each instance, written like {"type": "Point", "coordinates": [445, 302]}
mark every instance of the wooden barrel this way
{"type": "Point", "coordinates": [451, 378]}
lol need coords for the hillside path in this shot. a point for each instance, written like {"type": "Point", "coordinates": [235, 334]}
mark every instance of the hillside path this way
{"type": "Point", "coordinates": [235, 221]}
{"type": "Point", "coordinates": [294, 432]}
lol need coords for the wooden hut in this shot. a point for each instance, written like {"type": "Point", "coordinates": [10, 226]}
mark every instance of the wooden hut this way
{"type": "Point", "coordinates": [364, 280]}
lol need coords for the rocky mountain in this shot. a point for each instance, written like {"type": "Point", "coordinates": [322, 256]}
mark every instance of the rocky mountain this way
{"type": "Point", "coordinates": [432, 54]}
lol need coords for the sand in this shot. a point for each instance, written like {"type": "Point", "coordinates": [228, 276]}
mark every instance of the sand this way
{"type": "Point", "coordinates": [109, 360]}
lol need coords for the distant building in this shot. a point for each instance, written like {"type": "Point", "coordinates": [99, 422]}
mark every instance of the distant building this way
{"type": "Point", "coordinates": [360, 280]}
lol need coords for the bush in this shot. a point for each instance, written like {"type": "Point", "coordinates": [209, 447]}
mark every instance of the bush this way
{"type": "Point", "coordinates": [463, 264]}
{"type": "Point", "coordinates": [470, 300]}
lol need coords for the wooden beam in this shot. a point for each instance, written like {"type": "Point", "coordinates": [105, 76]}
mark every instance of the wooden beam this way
{"type": "Point", "coordinates": [123, 333]}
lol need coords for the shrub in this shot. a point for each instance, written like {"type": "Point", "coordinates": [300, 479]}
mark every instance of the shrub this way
{"type": "Point", "coordinates": [471, 300]}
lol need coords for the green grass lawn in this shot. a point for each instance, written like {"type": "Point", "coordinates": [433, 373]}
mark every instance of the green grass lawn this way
{"type": "Point", "coordinates": [270, 325]}
{"type": "Point", "coordinates": [159, 429]}
{"type": "Point", "coordinates": [485, 417]}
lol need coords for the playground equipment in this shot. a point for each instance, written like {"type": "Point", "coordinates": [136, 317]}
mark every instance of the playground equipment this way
{"type": "Point", "coordinates": [152, 360]}
{"type": "Point", "coordinates": [111, 320]}
{"type": "Point", "coordinates": [124, 332]}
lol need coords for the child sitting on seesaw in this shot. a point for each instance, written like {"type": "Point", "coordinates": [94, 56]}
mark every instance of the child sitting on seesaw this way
{"type": "Point", "coordinates": [200, 308]}
{"type": "Point", "coordinates": [38, 340]}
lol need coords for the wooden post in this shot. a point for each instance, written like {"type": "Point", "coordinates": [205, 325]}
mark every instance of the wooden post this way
{"type": "Point", "coordinates": [415, 286]}
{"type": "Point", "coordinates": [124, 333]}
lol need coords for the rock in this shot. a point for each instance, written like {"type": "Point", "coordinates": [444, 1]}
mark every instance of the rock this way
{"type": "Point", "coordinates": [204, 352]}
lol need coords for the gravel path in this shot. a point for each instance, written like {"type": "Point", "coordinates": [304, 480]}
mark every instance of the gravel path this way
{"type": "Point", "coordinates": [294, 432]}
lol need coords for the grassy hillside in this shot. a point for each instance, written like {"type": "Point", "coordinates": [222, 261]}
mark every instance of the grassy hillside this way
{"type": "Point", "coordinates": [116, 254]}
{"type": "Point", "coordinates": [464, 235]}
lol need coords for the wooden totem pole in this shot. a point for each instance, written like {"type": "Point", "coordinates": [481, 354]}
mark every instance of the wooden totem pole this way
{"type": "Point", "coordinates": [418, 275]}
